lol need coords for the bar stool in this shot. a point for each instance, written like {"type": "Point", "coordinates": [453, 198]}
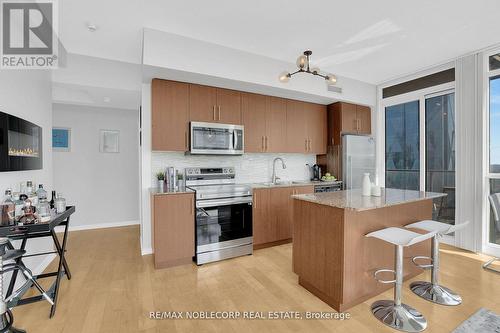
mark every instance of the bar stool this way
{"type": "Point", "coordinates": [394, 313]}
{"type": "Point", "coordinates": [432, 291]}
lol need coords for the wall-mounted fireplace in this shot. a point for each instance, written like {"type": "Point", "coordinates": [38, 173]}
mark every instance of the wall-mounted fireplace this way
{"type": "Point", "coordinates": [20, 144]}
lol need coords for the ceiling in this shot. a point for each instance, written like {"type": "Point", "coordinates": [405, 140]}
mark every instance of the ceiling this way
{"type": "Point", "coordinates": [371, 41]}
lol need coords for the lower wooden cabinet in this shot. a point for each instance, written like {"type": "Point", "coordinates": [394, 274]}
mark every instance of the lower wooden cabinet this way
{"type": "Point", "coordinates": [273, 214]}
{"type": "Point", "coordinates": [172, 218]}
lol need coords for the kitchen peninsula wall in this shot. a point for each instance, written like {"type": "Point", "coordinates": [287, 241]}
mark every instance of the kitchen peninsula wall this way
{"type": "Point", "coordinates": [250, 167]}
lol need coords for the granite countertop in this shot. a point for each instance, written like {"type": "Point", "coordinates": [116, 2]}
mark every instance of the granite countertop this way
{"type": "Point", "coordinates": [180, 190]}
{"type": "Point", "coordinates": [295, 183]}
{"type": "Point", "coordinates": [352, 199]}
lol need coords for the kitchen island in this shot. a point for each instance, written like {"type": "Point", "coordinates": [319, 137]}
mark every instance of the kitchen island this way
{"type": "Point", "coordinates": [331, 255]}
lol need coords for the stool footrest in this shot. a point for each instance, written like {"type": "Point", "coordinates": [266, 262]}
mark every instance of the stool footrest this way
{"type": "Point", "coordinates": [385, 271]}
{"type": "Point", "coordinates": [423, 266]}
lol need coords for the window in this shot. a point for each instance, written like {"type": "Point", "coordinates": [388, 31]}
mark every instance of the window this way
{"type": "Point", "coordinates": [440, 153]}
{"type": "Point", "coordinates": [494, 142]}
{"type": "Point", "coordinates": [402, 154]}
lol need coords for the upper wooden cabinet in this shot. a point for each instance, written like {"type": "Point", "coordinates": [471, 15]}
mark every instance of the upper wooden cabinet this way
{"type": "Point", "coordinates": [169, 115]}
{"type": "Point", "coordinates": [347, 118]}
{"type": "Point", "coordinates": [306, 127]}
{"type": "Point", "coordinates": [296, 126]}
{"type": "Point", "coordinates": [202, 103]}
{"type": "Point", "coordinates": [317, 128]}
{"type": "Point", "coordinates": [264, 118]}
{"type": "Point", "coordinates": [272, 124]}
{"type": "Point", "coordinates": [173, 229]}
{"type": "Point", "coordinates": [210, 104]}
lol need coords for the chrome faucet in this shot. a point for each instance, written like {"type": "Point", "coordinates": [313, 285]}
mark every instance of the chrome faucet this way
{"type": "Point", "coordinates": [274, 178]}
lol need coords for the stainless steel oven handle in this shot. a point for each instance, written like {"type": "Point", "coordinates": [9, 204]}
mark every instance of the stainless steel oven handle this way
{"type": "Point", "coordinates": [222, 202]}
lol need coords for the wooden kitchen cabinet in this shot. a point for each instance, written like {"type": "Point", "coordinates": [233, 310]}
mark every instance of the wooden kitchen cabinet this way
{"type": "Point", "coordinates": [169, 115]}
{"type": "Point", "coordinates": [264, 118]}
{"type": "Point", "coordinates": [173, 229]}
{"type": "Point", "coordinates": [202, 103]}
{"type": "Point", "coordinates": [263, 229]}
{"type": "Point", "coordinates": [364, 115]}
{"type": "Point", "coordinates": [228, 106]}
{"type": "Point", "coordinates": [210, 104]}
{"type": "Point", "coordinates": [317, 128]}
{"type": "Point", "coordinates": [347, 118]}
{"type": "Point", "coordinates": [306, 127]}
{"type": "Point", "coordinates": [273, 214]}
{"type": "Point", "coordinates": [254, 109]}
{"type": "Point", "coordinates": [296, 127]}
{"type": "Point", "coordinates": [276, 126]}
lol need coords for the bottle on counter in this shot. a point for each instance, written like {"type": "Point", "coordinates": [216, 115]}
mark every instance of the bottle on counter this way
{"type": "Point", "coordinates": [53, 200]}
{"type": "Point", "coordinates": [60, 204]}
{"type": "Point", "coordinates": [19, 205]}
{"type": "Point", "coordinates": [29, 187]}
{"type": "Point", "coordinates": [43, 206]}
{"type": "Point", "coordinates": [8, 209]}
{"type": "Point", "coordinates": [41, 193]}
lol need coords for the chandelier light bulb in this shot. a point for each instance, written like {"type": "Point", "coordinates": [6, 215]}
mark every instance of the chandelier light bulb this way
{"type": "Point", "coordinates": [331, 79]}
{"type": "Point", "coordinates": [284, 77]}
{"type": "Point", "coordinates": [301, 61]}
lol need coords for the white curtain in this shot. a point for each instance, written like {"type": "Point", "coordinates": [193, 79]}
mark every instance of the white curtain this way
{"type": "Point", "coordinates": [469, 148]}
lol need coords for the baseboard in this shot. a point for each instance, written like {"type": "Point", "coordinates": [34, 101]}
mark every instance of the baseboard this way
{"type": "Point", "coordinates": [145, 252]}
{"type": "Point", "coordinates": [98, 226]}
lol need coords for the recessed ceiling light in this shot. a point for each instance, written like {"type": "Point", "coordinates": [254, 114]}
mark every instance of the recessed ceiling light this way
{"type": "Point", "coordinates": [92, 27]}
{"type": "Point", "coordinates": [107, 99]}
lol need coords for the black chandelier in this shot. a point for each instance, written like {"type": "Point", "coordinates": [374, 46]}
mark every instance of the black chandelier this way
{"type": "Point", "coordinates": [304, 67]}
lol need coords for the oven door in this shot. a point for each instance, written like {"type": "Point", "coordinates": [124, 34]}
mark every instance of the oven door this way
{"type": "Point", "coordinates": [223, 223]}
{"type": "Point", "coordinates": [221, 139]}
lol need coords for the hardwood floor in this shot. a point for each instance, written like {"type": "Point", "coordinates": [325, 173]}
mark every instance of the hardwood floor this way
{"type": "Point", "coordinates": [114, 289]}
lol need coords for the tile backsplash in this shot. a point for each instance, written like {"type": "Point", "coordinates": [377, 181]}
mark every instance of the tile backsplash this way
{"type": "Point", "coordinates": [250, 168]}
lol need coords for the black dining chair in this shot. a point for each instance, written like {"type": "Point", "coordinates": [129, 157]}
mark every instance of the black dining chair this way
{"type": "Point", "coordinates": [495, 206]}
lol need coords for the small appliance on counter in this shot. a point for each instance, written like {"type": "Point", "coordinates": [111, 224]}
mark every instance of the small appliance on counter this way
{"type": "Point", "coordinates": [223, 226]}
{"type": "Point", "coordinates": [315, 171]}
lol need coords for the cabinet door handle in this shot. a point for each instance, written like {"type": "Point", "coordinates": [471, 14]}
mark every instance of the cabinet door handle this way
{"type": "Point", "coordinates": [214, 111]}
{"type": "Point", "coordinates": [219, 112]}
{"type": "Point", "coordinates": [266, 143]}
{"type": "Point", "coordinates": [306, 144]}
{"type": "Point", "coordinates": [309, 144]}
{"type": "Point", "coordinates": [186, 140]}
{"type": "Point", "coordinates": [262, 143]}
{"type": "Point", "coordinates": [359, 124]}
{"type": "Point", "coordinates": [192, 206]}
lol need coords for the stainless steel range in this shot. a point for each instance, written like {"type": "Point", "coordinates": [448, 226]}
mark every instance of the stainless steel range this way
{"type": "Point", "coordinates": [223, 214]}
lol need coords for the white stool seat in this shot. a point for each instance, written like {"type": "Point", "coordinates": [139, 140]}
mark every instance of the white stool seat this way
{"type": "Point", "coordinates": [439, 227]}
{"type": "Point", "coordinates": [399, 236]}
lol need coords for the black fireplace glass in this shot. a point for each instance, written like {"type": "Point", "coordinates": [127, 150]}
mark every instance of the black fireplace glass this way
{"type": "Point", "coordinates": [20, 144]}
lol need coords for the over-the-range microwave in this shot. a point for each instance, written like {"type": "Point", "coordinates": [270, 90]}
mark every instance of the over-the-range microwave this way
{"type": "Point", "coordinates": [216, 139]}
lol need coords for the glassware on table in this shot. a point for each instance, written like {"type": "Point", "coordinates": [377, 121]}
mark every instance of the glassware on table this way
{"type": "Point", "coordinates": [60, 204]}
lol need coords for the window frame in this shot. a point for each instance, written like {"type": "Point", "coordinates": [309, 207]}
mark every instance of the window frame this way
{"type": "Point", "coordinates": [487, 247]}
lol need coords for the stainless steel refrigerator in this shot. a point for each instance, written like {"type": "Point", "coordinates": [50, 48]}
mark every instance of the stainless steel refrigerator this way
{"type": "Point", "coordinates": [358, 157]}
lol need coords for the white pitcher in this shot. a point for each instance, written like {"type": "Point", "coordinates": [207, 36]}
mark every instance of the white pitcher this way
{"type": "Point", "coordinates": [367, 185]}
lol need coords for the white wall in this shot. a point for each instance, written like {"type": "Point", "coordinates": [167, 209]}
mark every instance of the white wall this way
{"type": "Point", "coordinates": [104, 187]}
{"type": "Point", "coordinates": [27, 94]}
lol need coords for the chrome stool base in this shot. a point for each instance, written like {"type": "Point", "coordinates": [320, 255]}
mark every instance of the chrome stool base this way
{"type": "Point", "coordinates": [435, 293]}
{"type": "Point", "coordinates": [401, 317]}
